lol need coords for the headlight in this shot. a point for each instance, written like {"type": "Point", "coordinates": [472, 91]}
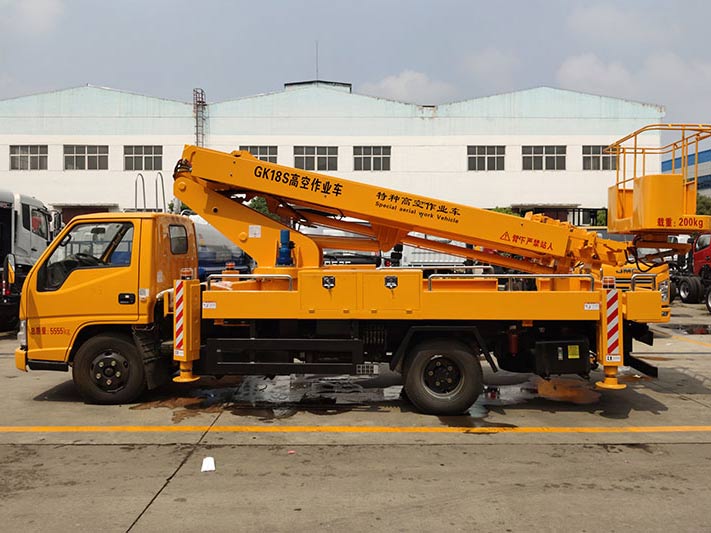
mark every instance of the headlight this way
{"type": "Point", "coordinates": [664, 289]}
{"type": "Point", "coordinates": [22, 334]}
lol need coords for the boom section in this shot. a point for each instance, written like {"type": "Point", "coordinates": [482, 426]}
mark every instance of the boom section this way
{"type": "Point", "coordinates": [216, 183]}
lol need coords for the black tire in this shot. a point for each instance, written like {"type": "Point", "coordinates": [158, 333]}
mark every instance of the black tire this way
{"type": "Point", "coordinates": [673, 291]}
{"type": "Point", "coordinates": [109, 370]}
{"type": "Point", "coordinates": [699, 289]}
{"type": "Point", "coordinates": [707, 299]}
{"type": "Point", "coordinates": [689, 290]}
{"type": "Point", "coordinates": [705, 274]}
{"type": "Point", "coordinates": [442, 377]}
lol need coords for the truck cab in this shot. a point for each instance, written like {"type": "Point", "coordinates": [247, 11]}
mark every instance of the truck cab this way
{"type": "Point", "coordinates": [25, 232]}
{"type": "Point", "coordinates": [99, 285]}
{"type": "Point", "coordinates": [701, 258]}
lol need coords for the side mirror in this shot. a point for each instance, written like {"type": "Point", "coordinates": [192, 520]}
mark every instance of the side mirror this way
{"type": "Point", "coordinates": [56, 224]}
{"type": "Point", "coordinates": [8, 271]}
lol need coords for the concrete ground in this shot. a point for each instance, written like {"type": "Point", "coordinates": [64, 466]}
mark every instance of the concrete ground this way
{"type": "Point", "coordinates": [300, 453]}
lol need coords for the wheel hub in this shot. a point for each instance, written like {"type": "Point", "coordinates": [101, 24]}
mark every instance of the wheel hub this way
{"type": "Point", "coordinates": [442, 375]}
{"type": "Point", "coordinates": [110, 371]}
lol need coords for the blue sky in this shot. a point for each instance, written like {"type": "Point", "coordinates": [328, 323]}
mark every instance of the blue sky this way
{"type": "Point", "coordinates": [426, 52]}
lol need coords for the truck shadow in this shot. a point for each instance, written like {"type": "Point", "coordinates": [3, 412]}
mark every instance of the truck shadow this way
{"type": "Point", "coordinates": [283, 397]}
{"type": "Point", "coordinates": [64, 392]}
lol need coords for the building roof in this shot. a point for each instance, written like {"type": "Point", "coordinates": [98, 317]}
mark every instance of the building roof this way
{"type": "Point", "coordinates": [320, 107]}
{"type": "Point", "coordinates": [93, 110]}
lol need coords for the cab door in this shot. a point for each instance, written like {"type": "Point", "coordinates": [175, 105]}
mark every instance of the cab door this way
{"type": "Point", "coordinates": [89, 276]}
{"type": "Point", "coordinates": [702, 254]}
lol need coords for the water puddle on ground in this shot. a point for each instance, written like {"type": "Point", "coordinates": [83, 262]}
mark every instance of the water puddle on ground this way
{"type": "Point", "coordinates": [567, 390]}
{"type": "Point", "coordinates": [689, 329]}
{"type": "Point", "coordinates": [284, 396]}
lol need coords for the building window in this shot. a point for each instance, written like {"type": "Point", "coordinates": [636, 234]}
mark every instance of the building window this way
{"type": "Point", "coordinates": [316, 157]}
{"type": "Point", "coordinates": [371, 158]}
{"type": "Point", "coordinates": [486, 157]}
{"type": "Point", "coordinates": [28, 157]}
{"type": "Point", "coordinates": [143, 158]}
{"type": "Point", "coordinates": [265, 153]}
{"type": "Point", "coordinates": [544, 157]}
{"type": "Point", "coordinates": [595, 158]}
{"type": "Point", "coordinates": [83, 157]}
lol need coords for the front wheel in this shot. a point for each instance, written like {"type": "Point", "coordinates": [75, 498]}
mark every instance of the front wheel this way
{"type": "Point", "coordinates": [442, 377]}
{"type": "Point", "coordinates": [109, 370]}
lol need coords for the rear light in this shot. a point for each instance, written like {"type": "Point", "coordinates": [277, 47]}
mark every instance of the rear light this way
{"type": "Point", "coordinates": [5, 288]}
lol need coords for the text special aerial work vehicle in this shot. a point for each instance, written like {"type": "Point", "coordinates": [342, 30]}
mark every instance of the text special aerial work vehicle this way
{"type": "Point", "coordinates": [109, 298]}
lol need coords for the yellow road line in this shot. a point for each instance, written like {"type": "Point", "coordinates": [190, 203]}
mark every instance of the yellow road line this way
{"type": "Point", "coordinates": [691, 341]}
{"type": "Point", "coordinates": [350, 429]}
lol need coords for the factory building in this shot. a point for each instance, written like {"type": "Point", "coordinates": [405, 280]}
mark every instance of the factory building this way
{"type": "Point", "coordinates": [697, 164]}
{"type": "Point", "coordinates": [82, 149]}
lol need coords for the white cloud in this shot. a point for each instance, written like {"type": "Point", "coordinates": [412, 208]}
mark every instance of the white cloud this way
{"type": "Point", "coordinates": [34, 16]}
{"type": "Point", "coordinates": [491, 69]}
{"type": "Point", "coordinates": [614, 25]}
{"type": "Point", "coordinates": [662, 78]}
{"type": "Point", "coordinates": [411, 86]}
{"type": "Point", "coordinates": [589, 73]}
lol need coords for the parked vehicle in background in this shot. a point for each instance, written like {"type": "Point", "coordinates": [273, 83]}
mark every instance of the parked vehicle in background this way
{"type": "Point", "coordinates": [215, 251]}
{"type": "Point", "coordinates": [691, 274]}
{"type": "Point", "coordinates": [25, 232]}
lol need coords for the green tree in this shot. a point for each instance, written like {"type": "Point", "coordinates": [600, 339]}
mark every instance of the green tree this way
{"type": "Point", "coordinates": [183, 207]}
{"type": "Point", "coordinates": [601, 217]}
{"type": "Point", "coordinates": [504, 210]}
{"type": "Point", "coordinates": [258, 203]}
{"type": "Point", "coordinates": [703, 204]}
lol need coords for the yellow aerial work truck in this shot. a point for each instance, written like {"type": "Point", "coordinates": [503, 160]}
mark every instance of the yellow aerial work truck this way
{"type": "Point", "coordinates": [115, 295]}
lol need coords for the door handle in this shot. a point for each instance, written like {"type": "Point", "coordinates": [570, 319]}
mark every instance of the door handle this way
{"type": "Point", "coordinates": [126, 298]}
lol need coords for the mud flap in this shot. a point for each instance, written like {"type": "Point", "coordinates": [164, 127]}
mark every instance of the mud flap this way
{"type": "Point", "coordinates": [159, 369]}
{"type": "Point", "coordinates": [642, 333]}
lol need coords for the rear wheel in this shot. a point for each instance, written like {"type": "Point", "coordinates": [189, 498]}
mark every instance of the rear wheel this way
{"type": "Point", "coordinates": [707, 299]}
{"type": "Point", "coordinates": [689, 289]}
{"type": "Point", "coordinates": [442, 377]}
{"type": "Point", "coordinates": [109, 370]}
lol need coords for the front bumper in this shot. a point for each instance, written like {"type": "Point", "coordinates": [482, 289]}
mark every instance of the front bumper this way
{"type": "Point", "coordinates": [21, 359]}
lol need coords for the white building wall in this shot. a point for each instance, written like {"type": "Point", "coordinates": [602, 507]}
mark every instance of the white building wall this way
{"type": "Point", "coordinates": [438, 168]}
{"type": "Point", "coordinates": [428, 144]}
{"type": "Point", "coordinates": [114, 188]}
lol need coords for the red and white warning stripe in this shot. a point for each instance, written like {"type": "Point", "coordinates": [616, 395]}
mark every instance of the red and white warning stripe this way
{"type": "Point", "coordinates": [178, 349]}
{"type": "Point", "coordinates": [613, 322]}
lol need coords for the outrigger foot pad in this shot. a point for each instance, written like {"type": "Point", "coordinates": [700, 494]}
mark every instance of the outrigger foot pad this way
{"type": "Point", "coordinates": [186, 374]}
{"type": "Point", "coordinates": [610, 382]}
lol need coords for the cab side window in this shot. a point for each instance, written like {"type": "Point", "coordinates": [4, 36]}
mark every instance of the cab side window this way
{"type": "Point", "coordinates": [39, 223]}
{"type": "Point", "coordinates": [178, 239]}
{"type": "Point", "coordinates": [90, 245]}
{"type": "Point", "coordinates": [35, 221]}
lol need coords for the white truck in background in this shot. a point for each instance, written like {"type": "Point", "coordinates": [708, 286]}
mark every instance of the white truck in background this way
{"type": "Point", "coordinates": [26, 228]}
